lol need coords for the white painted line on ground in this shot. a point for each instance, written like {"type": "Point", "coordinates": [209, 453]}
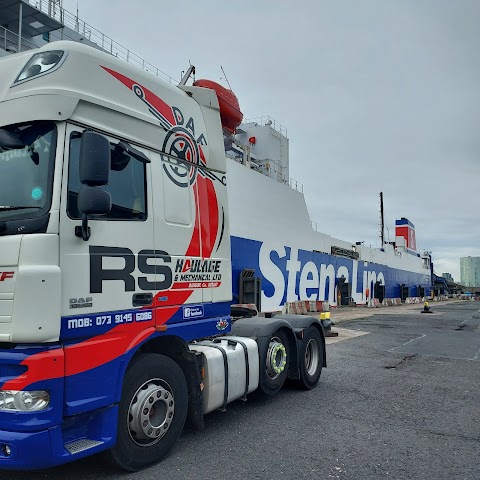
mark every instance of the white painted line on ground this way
{"type": "Point", "coordinates": [406, 343]}
{"type": "Point", "coordinates": [344, 334]}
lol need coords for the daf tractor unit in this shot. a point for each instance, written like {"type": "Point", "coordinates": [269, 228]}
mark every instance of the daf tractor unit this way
{"type": "Point", "coordinates": [115, 266]}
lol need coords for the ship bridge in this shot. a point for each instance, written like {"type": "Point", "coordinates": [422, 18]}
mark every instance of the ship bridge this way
{"type": "Point", "coordinates": [21, 22]}
{"type": "Point", "coordinates": [28, 25]}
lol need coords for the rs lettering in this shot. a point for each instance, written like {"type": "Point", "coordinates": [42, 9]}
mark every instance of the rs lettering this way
{"type": "Point", "coordinates": [147, 261]}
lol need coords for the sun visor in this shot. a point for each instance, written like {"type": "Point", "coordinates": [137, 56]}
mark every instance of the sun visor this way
{"type": "Point", "coordinates": [37, 107]}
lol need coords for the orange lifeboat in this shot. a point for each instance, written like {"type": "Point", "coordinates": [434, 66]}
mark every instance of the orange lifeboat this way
{"type": "Point", "coordinates": [230, 113]}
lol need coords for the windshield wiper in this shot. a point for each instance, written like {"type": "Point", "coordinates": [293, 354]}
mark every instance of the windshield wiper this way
{"type": "Point", "coordinates": [4, 208]}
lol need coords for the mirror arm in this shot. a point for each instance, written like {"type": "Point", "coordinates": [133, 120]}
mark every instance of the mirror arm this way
{"type": "Point", "coordinates": [85, 228]}
{"type": "Point", "coordinates": [83, 231]}
{"type": "Point", "coordinates": [133, 152]}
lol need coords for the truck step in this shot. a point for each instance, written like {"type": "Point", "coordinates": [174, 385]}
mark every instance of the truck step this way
{"type": "Point", "coordinates": [78, 446]}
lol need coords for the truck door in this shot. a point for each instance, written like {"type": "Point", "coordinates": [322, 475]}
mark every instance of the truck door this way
{"type": "Point", "coordinates": [104, 292]}
{"type": "Point", "coordinates": [190, 223]}
{"type": "Point", "coordinates": [177, 233]}
{"type": "Point", "coordinates": [104, 269]}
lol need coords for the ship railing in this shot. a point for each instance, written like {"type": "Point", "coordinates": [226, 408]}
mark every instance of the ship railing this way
{"type": "Point", "coordinates": [268, 172]}
{"type": "Point", "coordinates": [292, 183]}
{"type": "Point", "coordinates": [50, 8]}
{"type": "Point", "coordinates": [9, 41]}
{"type": "Point", "coordinates": [267, 121]}
{"type": "Point", "coordinates": [273, 169]}
{"type": "Point", "coordinates": [103, 41]}
{"type": "Point", "coordinates": [281, 177]}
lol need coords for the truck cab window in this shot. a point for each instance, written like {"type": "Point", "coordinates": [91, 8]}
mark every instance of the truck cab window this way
{"type": "Point", "coordinates": [126, 185]}
{"type": "Point", "coordinates": [27, 153]}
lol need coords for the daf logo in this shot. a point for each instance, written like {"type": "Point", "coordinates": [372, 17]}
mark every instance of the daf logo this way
{"type": "Point", "coordinates": [81, 302]}
{"type": "Point", "coordinates": [6, 275]}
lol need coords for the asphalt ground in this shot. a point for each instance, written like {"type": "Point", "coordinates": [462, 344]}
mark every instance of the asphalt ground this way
{"type": "Point", "coordinates": [401, 401]}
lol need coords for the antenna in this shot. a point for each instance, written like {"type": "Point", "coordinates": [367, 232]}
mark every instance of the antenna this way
{"type": "Point", "coordinates": [77, 24]}
{"type": "Point", "coordinates": [190, 71]}
{"type": "Point", "coordinates": [382, 221]}
{"type": "Point", "coordinates": [229, 86]}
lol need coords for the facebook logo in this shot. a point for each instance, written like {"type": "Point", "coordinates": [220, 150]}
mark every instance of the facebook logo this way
{"type": "Point", "coordinates": [192, 311]}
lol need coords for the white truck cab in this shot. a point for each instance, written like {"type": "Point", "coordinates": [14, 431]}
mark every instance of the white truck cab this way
{"type": "Point", "coordinates": [114, 258]}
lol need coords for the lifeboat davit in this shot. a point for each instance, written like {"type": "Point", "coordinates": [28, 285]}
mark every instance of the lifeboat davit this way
{"type": "Point", "coordinates": [230, 113]}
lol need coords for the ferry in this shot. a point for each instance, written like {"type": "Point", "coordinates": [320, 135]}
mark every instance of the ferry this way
{"type": "Point", "coordinates": [278, 255]}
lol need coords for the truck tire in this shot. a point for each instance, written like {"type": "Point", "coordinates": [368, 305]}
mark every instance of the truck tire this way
{"type": "Point", "coordinates": [311, 358]}
{"type": "Point", "coordinates": [151, 412]}
{"type": "Point", "coordinates": [274, 366]}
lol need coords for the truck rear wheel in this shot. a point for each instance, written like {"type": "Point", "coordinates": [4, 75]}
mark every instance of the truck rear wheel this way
{"type": "Point", "coordinates": [311, 358]}
{"type": "Point", "coordinates": [152, 412]}
{"type": "Point", "coordinates": [275, 363]}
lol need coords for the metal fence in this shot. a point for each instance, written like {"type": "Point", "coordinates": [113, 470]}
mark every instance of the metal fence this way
{"type": "Point", "coordinates": [280, 177]}
{"type": "Point", "coordinates": [9, 41]}
{"type": "Point", "coordinates": [292, 183]}
{"type": "Point", "coordinates": [90, 33]}
{"type": "Point", "coordinates": [266, 120]}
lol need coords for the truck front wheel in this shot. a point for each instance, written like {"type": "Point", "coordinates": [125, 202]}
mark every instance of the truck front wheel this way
{"type": "Point", "coordinates": [152, 412]}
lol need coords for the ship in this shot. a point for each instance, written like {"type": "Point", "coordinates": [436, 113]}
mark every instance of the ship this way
{"type": "Point", "coordinates": [279, 257]}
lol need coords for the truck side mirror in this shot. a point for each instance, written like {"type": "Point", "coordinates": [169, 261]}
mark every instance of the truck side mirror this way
{"type": "Point", "coordinates": [94, 169]}
{"type": "Point", "coordinates": [94, 166]}
{"type": "Point", "coordinates": [91, 201]}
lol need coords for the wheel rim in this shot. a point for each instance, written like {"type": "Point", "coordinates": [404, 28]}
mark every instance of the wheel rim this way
{"type": "Point", "coordinates": [150, 413]}
{"type": "Point", "coordinates": [312, 357]}
{"type": "Point", "coordinates": [276, 358]}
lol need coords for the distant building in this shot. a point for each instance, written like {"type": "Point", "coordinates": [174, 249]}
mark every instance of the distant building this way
{"type": "Point", "coordinates": [448, 277]}
{"type": "Point", "coordinates": [470, 271]}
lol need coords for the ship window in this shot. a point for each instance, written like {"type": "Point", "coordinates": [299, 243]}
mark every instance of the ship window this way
{"type": "Point", "coordinates": [127, 184]}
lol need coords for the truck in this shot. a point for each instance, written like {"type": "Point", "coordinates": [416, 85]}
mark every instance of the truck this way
{"type": "Point", "coordinates": [116, 326]}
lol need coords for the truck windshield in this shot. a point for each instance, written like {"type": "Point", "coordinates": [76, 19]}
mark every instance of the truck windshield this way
{"type": "Point", "coordinates": [27, 151]}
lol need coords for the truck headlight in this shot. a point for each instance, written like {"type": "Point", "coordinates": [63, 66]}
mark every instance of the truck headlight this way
{"type": "Point", "coordinates": [40, 64]}
{"type": "Point", "coordinates": [24, 400]}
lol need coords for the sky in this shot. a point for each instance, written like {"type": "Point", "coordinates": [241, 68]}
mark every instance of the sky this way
{"type": "Point", "coordinates": [377, 95]}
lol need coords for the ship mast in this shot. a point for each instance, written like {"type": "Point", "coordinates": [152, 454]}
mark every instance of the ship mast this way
{"type": "Point", "coordinates": [382, 221]}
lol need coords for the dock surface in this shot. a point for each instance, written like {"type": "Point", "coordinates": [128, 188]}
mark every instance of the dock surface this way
{"type": "Point", "coordinates": [399, 399]}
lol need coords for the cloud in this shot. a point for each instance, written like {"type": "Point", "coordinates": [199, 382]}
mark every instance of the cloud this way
{"type": "Point", "coordinates": [376, 96]}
